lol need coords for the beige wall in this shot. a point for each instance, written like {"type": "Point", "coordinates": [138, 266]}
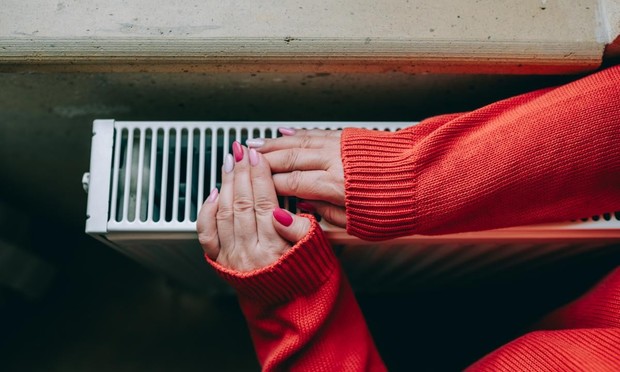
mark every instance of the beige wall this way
{"type": "Point", "coordinates": [526, 36]}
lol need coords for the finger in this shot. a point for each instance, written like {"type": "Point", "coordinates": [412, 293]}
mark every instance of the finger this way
{"type": "Point", "coordinates": [243, 200]}
{"type": "Point", "coordinates": [333, 214]}
{"type": "Point", "coordinates": [225, 224]}
{"type": "Point", "coordinates": [289, 226]}
{"type": "Point", "coordinates": [297, 159]}
{"type": "Point", "coordinates": [206, 226]}
{"type": "Point", "coordinates": [302, 139]}
{"type": "Point", "coordinates": [312, 185]}
{"type": "Point", "coordinates": [287, 131]}
{"type": "Point", "coordinates": [265, 198]}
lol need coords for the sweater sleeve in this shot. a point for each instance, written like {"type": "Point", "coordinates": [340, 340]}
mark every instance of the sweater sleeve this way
{"type": "Point", "coordinates": [302, 313]}
{"type": "Point", "coordinates": [546, 156]}
{"type": "Point", "coordinates": [581, 336]}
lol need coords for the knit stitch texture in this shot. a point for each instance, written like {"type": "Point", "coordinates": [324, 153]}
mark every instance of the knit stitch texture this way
{"type": "Point", "coordinates": [545, 156]}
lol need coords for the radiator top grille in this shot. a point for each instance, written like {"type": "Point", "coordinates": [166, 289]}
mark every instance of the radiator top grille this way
{"type": "Point", "coordinates": [163, 171]}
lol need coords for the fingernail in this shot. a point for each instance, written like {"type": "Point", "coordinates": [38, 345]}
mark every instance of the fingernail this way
{"type": "Point", "coordinates": [212, 196]}
{"type": "Point", "coordinates": [253, 157]}
{"type": "Point", "coordinates": [255, 142]}
{"type": "Point", "coordinates": [238, 151]}
{"type": "Point", "coordinates": [306, 207]}
{"type": "Point", "coordinates": [283, 217]}
{"type": "Point", "coordinates": [228, 163]}
{"type": "Point", "coordinates": [286, 131]}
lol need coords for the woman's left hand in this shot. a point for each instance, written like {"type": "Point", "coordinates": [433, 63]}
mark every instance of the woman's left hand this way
{"type": "Point", "coordinates": [241, 227]}
{"type": "Point", "coordinates": [307, 164]}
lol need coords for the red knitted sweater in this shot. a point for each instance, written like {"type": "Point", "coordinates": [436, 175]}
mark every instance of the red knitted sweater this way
{"type": "Point", "coordinates": [549, 155]}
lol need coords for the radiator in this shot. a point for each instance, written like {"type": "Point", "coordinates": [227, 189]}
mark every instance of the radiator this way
{"type": "Point", "coordinates": [147, 181]}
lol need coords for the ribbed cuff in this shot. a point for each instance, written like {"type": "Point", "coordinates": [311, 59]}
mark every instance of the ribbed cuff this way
{"type": "Point", "coordinates": [380, 183]}
{"type": "Point", "coordinates": [300, 271]}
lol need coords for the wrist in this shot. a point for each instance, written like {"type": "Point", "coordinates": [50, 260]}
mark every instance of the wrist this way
{"type": "Point", "coordinates": [301, 270]}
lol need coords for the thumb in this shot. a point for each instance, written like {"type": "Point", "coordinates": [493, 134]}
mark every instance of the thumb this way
{"type": "Point", "coordinates": [289, 226]}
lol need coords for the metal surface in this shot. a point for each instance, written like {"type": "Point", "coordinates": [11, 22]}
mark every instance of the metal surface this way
{"type": "Point", "coordinates": [148, 193]}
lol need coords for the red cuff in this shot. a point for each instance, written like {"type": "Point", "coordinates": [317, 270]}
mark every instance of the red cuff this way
{"type": "Point", "coordinates": [300, 271]}
{"type": "Point", "coordinates": [380, 183]}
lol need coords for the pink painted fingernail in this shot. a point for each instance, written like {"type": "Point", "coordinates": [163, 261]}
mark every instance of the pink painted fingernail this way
{"type": "Point", "coordinates": [286, 131]}
{"type": "Point", "coordinates": [212, 196]}
{"type": "Point", "coordinates": [255, 142]}
{"type": "Point", "coordinates": [229, 163]}
{"type": "Point", "coordinates": [282, 217]}
{"type": "Point", "coordinates": [253, 157]}
{"type": "Point", "coordinates": [238, 151]}
{"type": "Point", "coordinates": [306, 207]}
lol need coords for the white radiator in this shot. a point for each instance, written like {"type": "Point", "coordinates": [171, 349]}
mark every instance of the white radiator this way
{"type": "Point", "coordinates": [147, 181]}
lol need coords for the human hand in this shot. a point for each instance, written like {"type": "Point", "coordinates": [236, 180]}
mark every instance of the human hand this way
{"type": "Point", "coordinates": [307, 164]}
{"type": "Point", "coordinates": [241, 227]}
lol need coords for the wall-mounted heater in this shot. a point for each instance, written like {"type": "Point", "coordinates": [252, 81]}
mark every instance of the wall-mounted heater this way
{"type": "Point", "coordinates": [147, 181]}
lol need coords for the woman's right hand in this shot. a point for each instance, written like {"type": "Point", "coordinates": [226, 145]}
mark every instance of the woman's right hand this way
{"type": "Point", "coordinates": [307, 164]}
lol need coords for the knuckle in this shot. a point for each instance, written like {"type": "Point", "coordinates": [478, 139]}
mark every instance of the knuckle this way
{"type": "Point", "coordinates": [329, 214]}
{"type": "Point", "coordinates": [291, 159]}
{"type": "Point", "coordinates": [263, 204]}
{"type": "Point", "coordinates": [243, 205]}
{"type": "Point", "coordinates": [294, 181]}
{"type": "Point", "coordinates": [224, 213]}
{"type": "Point", "coordinates": [305, 142]}
{"type": "Point", "coordinates": [207, 240]}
